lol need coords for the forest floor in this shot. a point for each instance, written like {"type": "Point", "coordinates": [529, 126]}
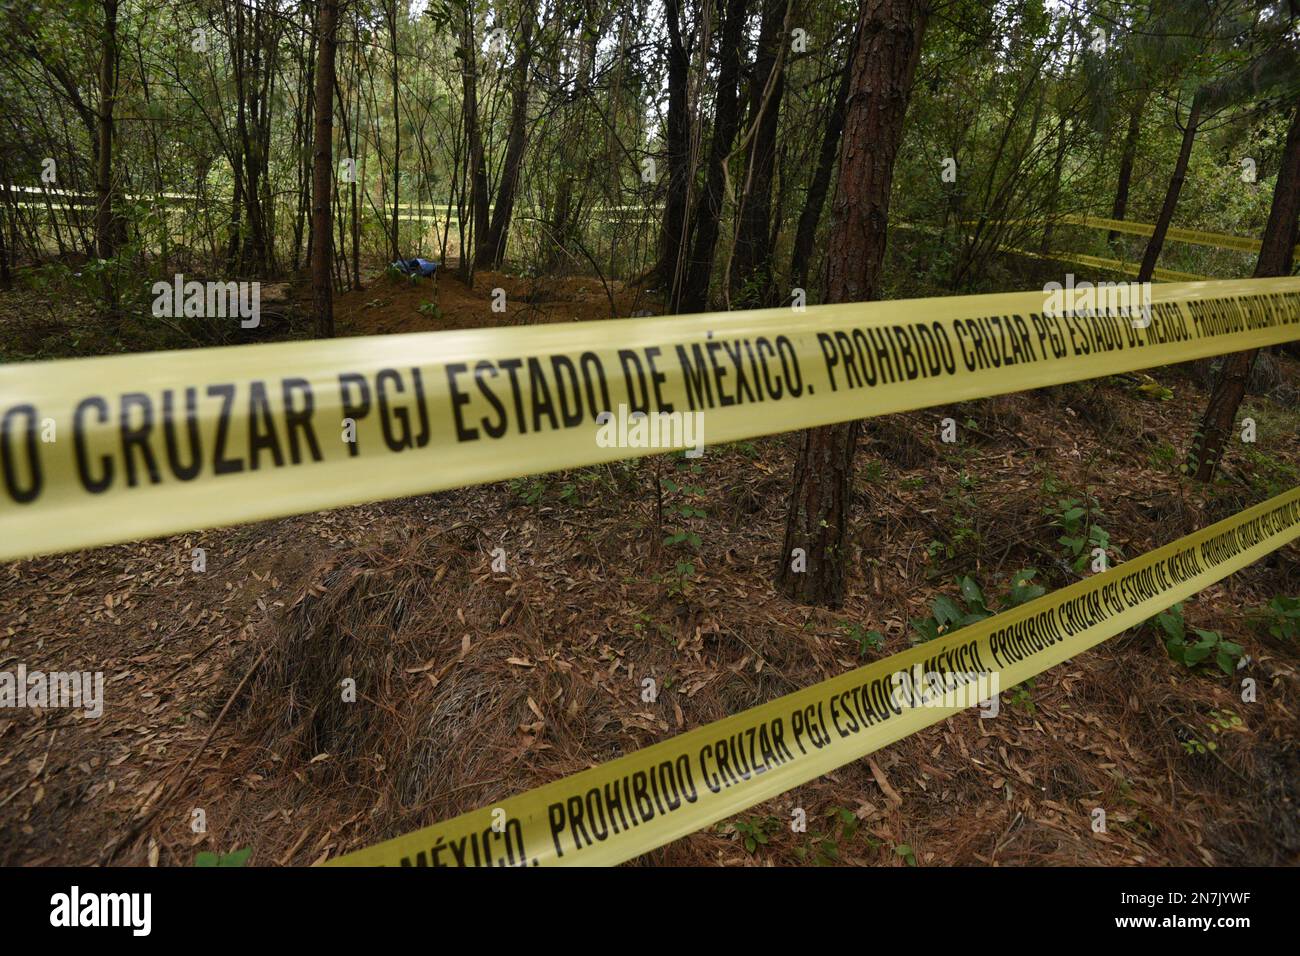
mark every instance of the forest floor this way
{"type": "Point", "coordinates": [385, 306]}
{"type": "Point", "coordinates": [477, 685]}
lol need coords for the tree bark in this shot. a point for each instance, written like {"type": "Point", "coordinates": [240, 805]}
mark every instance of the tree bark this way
{"type": "Point", "coordinates": [107, 232]}
{"type": "Point", "coordinates": [243, 166]}
{"type": "Point", "coordinates": [478, 184]}
{"type": "Point", "coordinates": [395, 242]}
{"type": "Point", "coordinates": [1058, 167]}
{"type": "Point", "coordinates": [322, 253]}
{"type": "Point", "coordinates": [1126, 159]}
{"type": "Point", "coordinates": [726, 117]}
{"type": "Point", "coordinates": [884, 65]}
{"type": "Point", "coordinates": [806, 231]}
{"type": "Point", "coordinates": [1275, 259]}
{"type": "Point", "coordinates": [302, 143]}
{"type": "Point", "coordinates": [6, 276]}
{"type": "Point", "coordinates": [492, 252]}
{"type": "Point", "coordinates": [1166, 216]}
{"type": "Point", "coordinates": [678, 154]}
{"type": "Point", "coordinates": [751, 266]}
{"type": "Point", "coordinates": [353, 141]}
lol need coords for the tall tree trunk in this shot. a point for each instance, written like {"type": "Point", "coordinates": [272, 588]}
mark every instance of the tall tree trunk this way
{"type": "Point", "coordinates": [1275, 255]}
{"type": "Point", "coordinates": [678, 154]}
{"type": "Point", "coordinates": [492, 252]}
{"type": "Point", "coordinates": [1058, 166]}
{"type": "Point", "coordinates": [302, 142]}
{"type": "Point", "coordinates": [396, 248]}
{"type": "Point", "coordinates": [243, 169]}
{"type": "Point", "coordinates": [107, 232]}
{"type": "Point", "coordinates": [884, 65]}
{"type": "Point", "coordinates": [252, 73]}
{"type": "Point", "coordinates": [322, 253]}
{"type": "Point", "coordinates": [726, 117]}
{"type": "Point", "coordinates": [806, 231]}
{"type": "Point", "coordinates": [1166, 216]}
{"type": "Point", "coordinates": [353, 140]}
{"type": "Point", "coordinates": [6, 210]}
{"type": "Point", "coordinates": [266, 99]}
{"type": "Point", "coordinates": [751, 265]}
{"type": "Point", "coordinates": [1126, 159]}
{"type": "Point", "coordinates": [235, 229]}
{"type": "Point", "coordinates": [478, 185]}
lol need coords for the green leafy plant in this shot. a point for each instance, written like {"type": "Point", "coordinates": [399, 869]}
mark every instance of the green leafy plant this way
{"type": "Point", "coordinates": [1209, 646]}
{"type": "Point", "coordinates": [237, 858]}
{"type": "Point", "coordinates": [1163, 455]}
{"type": "Point", "coordinates": [678, 580]}
{"type": "Point", "coordinates": [117, 285]}
{"type": "Point", "coordinates": [907, 853]}
{"type": "Point", "coordinates": [1220, 722]}
{"type": "Point", "coordinates": [1224, 721]}
{"type": "Point", "coordinates": [866, 640]}
{"type": "Point", "coordinates": [755, 832]}
{"type": "Point", "coordinates": [960, 522]}
{"type": "Point", "coordinates": [1081, 532]}
{"type": "Point", "coordinates": [1281, 617]}
{"type": "Point", "coordinates": [963, 534]}
{"type": "Point", "coordinates": [1020, 697]}
{"type": "Point", "coordinates": [530, 489]}
{"type": "Point", "coordinates": [1022, 589]}
{"type": "Point", "coordinates": [1269, 474]}
{"type": "Point", "coordinates": [681, 537]}
{"type": "Point", "coordinates": [683, 508]}
{"type": "Point", "coordinates": [948, 614]}
{"type": "Point", "coordinates": [824, 848]}
{"type": "Point", "coordinates": [1155, 391]}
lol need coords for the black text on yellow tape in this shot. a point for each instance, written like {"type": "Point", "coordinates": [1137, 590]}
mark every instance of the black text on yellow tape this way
{"type": "Point", "coordinates": [619, 810]}
{"type": "Point", "coordinates": [96, 451]}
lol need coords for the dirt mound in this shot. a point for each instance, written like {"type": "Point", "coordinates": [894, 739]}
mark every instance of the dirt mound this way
{"type": "Point", "coordinates": [393, 305]}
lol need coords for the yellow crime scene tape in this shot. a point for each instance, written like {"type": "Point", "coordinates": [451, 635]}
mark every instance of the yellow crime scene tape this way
{"type": "Point", "coordinates": [1198, 237]}
{"type": "Point", "coordinates": [104, 450]}
{"type": "Point", "coordinates": [629, 806]}
{"type": "Point", "coordinates": [1114, 265]}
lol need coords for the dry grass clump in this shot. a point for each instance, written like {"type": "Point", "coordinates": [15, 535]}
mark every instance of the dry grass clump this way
{"type": "Point", "coordinates": [1094, 404]}
{"type": "Point", "coordinates": [350, 624]}
{"type": "Point", "coordinates": [360, 629]}
{"type": "Point", "coordinates": [897, 439]}
{"type": "Point", "coordinates": [445, 716]}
